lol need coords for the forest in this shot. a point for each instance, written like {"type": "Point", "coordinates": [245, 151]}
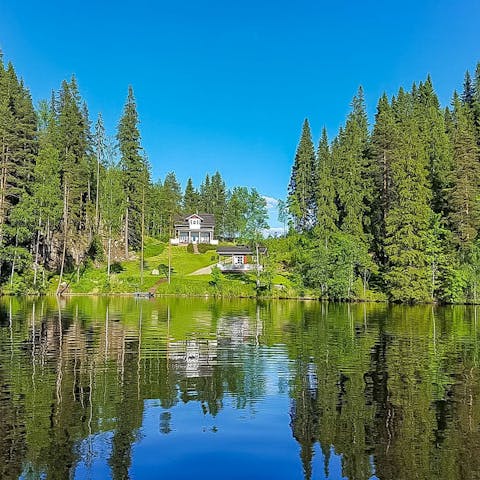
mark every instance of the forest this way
{"type": "Point", "coordinates": [69, 194]}
{"type": "Point", "coordinates": [391, 207]}
{"type": "Point", "coordinates": [383, 211]}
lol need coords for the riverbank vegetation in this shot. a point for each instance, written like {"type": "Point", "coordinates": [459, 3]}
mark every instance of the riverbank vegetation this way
{"type": "Point", "coordinates": [393, 206]}
{"type": "Point", "coordinates": [388, 211]}
{"type": "Point", "coordinates": [77, 206]}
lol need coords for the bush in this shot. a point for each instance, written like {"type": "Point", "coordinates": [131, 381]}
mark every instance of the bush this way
{"type": "Point", "coordinates": [116, 267]}
{"type": "Point", "coordinates": [95, 251]}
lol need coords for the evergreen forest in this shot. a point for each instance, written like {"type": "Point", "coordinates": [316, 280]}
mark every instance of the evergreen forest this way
{"type": "Point", "coordinates": [382, 211]}
{"type": "Point", "coordinates": [393, 207]}
{"type": "Point", "coordinates": [71, 196]}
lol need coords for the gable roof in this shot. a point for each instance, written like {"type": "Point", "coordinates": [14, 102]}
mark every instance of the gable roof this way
{"type": "Point", "coordinates": [207, 220]}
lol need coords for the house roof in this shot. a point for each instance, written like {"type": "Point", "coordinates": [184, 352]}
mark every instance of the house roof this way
{"type": "Point", "coordinates": [240, 250]}
{"type": "Point", "coordinates": [206, 220]}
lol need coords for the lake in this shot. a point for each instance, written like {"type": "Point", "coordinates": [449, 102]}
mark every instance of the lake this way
{"type": "Point", "coordinates": [94, 388]}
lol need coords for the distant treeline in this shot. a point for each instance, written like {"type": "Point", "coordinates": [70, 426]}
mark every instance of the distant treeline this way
{"type": "Point", "coordinates": [394, 207]}
{"type": "Point", "coordinates": [68, 192]}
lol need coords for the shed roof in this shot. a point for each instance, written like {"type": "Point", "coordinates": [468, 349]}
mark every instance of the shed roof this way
{"type": "Point", "coordinates": [240, 250]}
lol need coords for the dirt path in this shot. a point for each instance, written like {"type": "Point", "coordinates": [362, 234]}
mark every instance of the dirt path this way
{"type": "Point", "coordinates": [153, 290]}
{"type": "Point", "coordinates": [203, 271]}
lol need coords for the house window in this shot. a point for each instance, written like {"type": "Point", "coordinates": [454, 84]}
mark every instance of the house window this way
{"type": "Point", "coordinates": [238, 259]}
{"type": "Point", "coordinates": [194, 222]}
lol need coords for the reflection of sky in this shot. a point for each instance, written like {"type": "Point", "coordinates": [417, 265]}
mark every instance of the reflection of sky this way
{"type": "Point", "coordinates": [244, 443]}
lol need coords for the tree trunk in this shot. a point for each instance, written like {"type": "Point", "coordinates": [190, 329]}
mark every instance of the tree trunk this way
{"type": "Point", "coordinates": [65, 218]}
{"type": "Point", "coordinates": [97, 195]}
{"type": "Point", "coordinates": [37, 247]}
{"type": "Point", "coordinates": [109, 256]}
{"type": "Point", "coordinates": [14, 261]}
{"type": "Point", "coordinates": [143, 235]}
{"type": "Point", "coordinates": [126, 231]}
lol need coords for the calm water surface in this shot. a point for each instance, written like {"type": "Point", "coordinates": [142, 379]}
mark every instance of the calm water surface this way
{"type": "Point", "coordinates": [94, 388]}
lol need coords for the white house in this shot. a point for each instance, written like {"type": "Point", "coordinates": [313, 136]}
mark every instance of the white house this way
{"type": "Point", "coordinates": [195, 228]}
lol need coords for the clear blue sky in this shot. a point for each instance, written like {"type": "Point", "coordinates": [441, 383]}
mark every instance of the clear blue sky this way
{"type": "Point", "coordinates": [226, 85]}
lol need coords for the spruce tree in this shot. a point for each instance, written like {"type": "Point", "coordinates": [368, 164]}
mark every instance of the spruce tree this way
{"type": "Point", "coordinates": [465, 190]}
{"type": "Point", "coordinates": [18, 141]}
{"type": "Point", "coordinates": [100, 148]}
{"type": "Point", "coordinates": [190, 201]}
{"type": "Point", "coordinates": [302, 188]}
{"type": "Point", "coordinates": [436, 142]}
{"type": "Point", "coordinates": [171, 203]}
{"type": "Point", "coordinates": [218, 201]}
{"type": "Point", "coordinates": [206, 205]}
{"type": "Point", "coordinates": [73, 149]}
{"type": "Point", "coordinates": [468, 94]}
{"type": "Point", "coordinates": [135, 171]}
{"type": "Point", "coordinates": [409, 215]}
{"type": "Point", "coordinates": [384, 140]}
{"type": "Point", "coordinates": [352, 171]}
{"type": "Point", "coordinates": [327, 214]}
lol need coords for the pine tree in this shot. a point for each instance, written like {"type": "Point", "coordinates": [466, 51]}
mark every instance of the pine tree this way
{"type": "Point", "coordinates": [302, 187]}
{"type": "Point", "coordinates": [327, 214]}
{"type": "Point", "coordinates": [135, 171]}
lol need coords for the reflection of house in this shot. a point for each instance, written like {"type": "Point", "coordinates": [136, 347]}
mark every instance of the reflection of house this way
{"type": "Point", "coordinates": [193, 358]}
{"type": "Point", "coordinates": [195, 228]}
{"type": "Point", "coordinates": [239, 258]}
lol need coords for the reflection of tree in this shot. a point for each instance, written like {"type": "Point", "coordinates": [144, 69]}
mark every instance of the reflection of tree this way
{"type": "Point", "coordinates": [12, 431]}
{"type": "Point", "coordinates": [389, 389]}
{"type": "Point", "coordinates": [304, 413]}
{"type": "Point", "coordinates": [129, 411]}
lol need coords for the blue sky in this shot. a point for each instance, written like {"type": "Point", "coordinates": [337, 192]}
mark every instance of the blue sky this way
{"type": "Point", "coordinates": [223, 85]}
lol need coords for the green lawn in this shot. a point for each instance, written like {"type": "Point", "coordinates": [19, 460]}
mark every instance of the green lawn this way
{"type": "Point", "coordinates": [93, 279]}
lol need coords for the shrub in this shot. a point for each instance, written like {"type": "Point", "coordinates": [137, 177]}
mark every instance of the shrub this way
{"type": "Point", "coordinates": [116, 267]}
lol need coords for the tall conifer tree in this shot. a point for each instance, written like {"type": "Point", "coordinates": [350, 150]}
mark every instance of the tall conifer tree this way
{"type": "Point", "coordinates": [190, 201]}
{"type": "Point", "coordinates": [409, 215]}
{"type": "Point", "coordinates": [353, 176]}
{"type": "Point", "coordinates": [327, 214]}
{"type": "Point", "coordinates": [465, 191]}
{"type": "Point", "coordinates": [302, 187]}
{"type": "Point", "coordinates": [135, 171]}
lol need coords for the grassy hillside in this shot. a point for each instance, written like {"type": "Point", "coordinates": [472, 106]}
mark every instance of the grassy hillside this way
{"type": "Point", "coordinates": [126, 279]}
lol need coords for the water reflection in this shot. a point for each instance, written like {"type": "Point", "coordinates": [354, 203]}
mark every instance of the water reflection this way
{"type": "Point", "coordinates": [118, 388]}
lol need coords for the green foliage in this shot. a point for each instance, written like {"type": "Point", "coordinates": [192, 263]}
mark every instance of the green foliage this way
{"type": "Point", "coordinates": [216, 280]}
{"type": "Point", "coordinates": [135, 168]}
{"type": "Point", "coordinates": [302, 186]}
{"type": "Point", "coordinates": [117, 267]}
{"type": "Point", "coordinates": [95, 251]}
